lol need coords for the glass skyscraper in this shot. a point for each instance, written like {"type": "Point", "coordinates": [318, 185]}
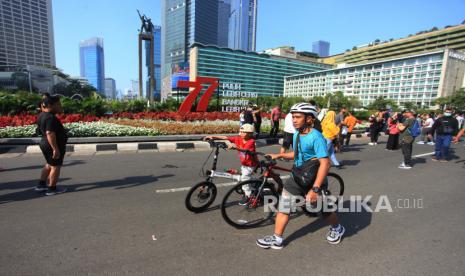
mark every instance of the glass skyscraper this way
{"type": "Point", "coordinates": [243, 25]}
{"type": "Point", "coordinates": [321, 48]}
{"type": "Point", "coordinates": [186, 22]}
{"type": "Point", "coordinates": [26, 33]}
{"type": "Point", "coordinates": [157, 61]}
{"type": "Point", "coordinates": [92, 62]}
{"type": "Point", "coordinates": [224, 9]}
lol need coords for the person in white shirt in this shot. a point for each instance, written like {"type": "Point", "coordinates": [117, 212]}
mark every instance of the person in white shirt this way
{"type": "Point", "coordinates": [288, 134]}
{"type": "Point", "coordinates": [426, 134]}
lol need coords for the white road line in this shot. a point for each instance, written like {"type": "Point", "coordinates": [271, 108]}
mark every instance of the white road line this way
{"type": "Point", "coordinates": [424, 154]}
{"type": "Point", "coordinates": [164, 191]}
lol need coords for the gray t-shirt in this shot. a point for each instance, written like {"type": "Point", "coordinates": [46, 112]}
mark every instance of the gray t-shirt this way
{"type": "Point", "coordinates": [408, 123]}
{"type": "Point", "coordinates": [339, 118]}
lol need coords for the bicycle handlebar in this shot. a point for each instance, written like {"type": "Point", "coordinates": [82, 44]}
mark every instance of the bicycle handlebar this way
{"type": "Point", "coordinates": [214, 144]}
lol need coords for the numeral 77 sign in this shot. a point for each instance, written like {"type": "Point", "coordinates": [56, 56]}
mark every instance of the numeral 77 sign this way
{"type": "Point", "coordinates": [201, 82]}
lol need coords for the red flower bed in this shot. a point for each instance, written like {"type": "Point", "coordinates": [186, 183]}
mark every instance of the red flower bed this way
{"type": "Point", "coordinates": [28, 119]}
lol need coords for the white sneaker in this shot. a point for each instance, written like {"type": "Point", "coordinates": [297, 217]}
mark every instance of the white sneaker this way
{"type": "Point", "coordinates": [376, 144]}
{"type": "Point", "coordinates": [371, 144]}
{"type": "Point", "coordinates": [270, 242]}
{"type": "Point", "coordinates": [431, 143]}
{"type": "Point", "coordinates": [420, 143]}
{"type": "Point", "coordinates": [404, 167]}
{"type": "Point", "coordinates": [334, 236]}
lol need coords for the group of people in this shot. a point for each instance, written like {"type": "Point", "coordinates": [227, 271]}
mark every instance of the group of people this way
{"type": "Point", "coordinates": [313, 142]}
{"type": "Point", "coordinates": [402, 128]}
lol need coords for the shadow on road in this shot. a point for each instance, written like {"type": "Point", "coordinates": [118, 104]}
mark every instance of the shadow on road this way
{"type": "Point", "coordinates": [36, 167]}
{"type": "Point", "coordinates": [123, 183]}
{"type": "Point", "coordinates": [352, 221]}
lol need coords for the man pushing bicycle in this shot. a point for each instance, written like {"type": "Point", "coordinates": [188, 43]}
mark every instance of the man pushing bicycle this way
{"type": "Point", "coordinates": [308, 177]}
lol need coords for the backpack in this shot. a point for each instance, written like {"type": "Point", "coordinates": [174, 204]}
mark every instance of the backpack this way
{"type": "Point", "coordinates": [415, 130]}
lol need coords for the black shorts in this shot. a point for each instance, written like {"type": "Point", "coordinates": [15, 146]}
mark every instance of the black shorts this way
{"type": "Point", "coordinates": [292, 188]}
{"type": "Point", "coordinates": [47, 151]}
{"type": "Point", "coordinates": [296, 188]}
{"type": "Point", "coordinates": [287, 140]}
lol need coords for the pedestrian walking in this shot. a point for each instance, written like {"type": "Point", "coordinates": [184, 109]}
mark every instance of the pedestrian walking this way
{"type": "Point", "coordinates": [275, 117]}
{"type": "Point", "coordinates": [52, 144]}
{"type": "Point", "coordinates": [445, 128]}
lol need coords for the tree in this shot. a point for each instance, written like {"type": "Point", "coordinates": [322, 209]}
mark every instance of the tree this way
{"type": "Point", "coordinates": [354, 48]}
{"type": "Point", "coordinates": [409, 105]}
{"type": "Point", "coordinates": [382, 103]}
{"type": "Point", "coordinates": [338, 100]}
{"type": "Point", "coordinates": [456, 101]}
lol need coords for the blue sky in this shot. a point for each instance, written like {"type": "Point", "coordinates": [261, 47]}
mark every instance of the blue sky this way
{"type": "Point", "coordinates": [344, 23]}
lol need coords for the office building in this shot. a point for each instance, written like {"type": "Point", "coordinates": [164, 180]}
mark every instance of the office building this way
{"type": "Point", "coordinates": [418, 79]}
{"type": "Point", "coordinates": [92, 62]}
{"type": "Point", "coordinates": [26, 33]}
{"type": "Point", "coordinates": [321, 48]}
{"type": "Point", "coordinates": [243, 25]}
{"type": "Point", "coordinates": [110, 88]}
{"type": "Point", "coordinates": [262, 74]}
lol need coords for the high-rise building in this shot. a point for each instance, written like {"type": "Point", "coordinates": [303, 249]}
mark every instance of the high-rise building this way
{"type": "Point", "coordinates": [419, 79]}
{"type": "Point", "coordinates": [452, 37]}
{"type": "Point", "coordinates": [156, 60]}
{"type": "Point", "coordinates": [185, 22]}
{"type": "Point", "coordinates": [26, 33]}
{"type": "Point", "coordinates": [92, 62]}
{"type": "Point", "coordinates": [243, 25]}
{"type": "Point", "coordinates": [110, 88]}
{"type": "Point", "coordinates": [321, 48]}
{"type": "Point", "coordinates": [224, 9]}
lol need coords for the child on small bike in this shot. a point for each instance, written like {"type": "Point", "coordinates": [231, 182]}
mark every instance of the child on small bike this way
{"type": "Point", "coordinates": [244, 141]}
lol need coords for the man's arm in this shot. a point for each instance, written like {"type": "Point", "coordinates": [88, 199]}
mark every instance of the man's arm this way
{"type": "Point", "coordinates": [286, 155]}
{"type": "Point", "coordinates": [320, 178]}
{"type": "Point", "coordinates": [215, 138]}
{"type": "Point", "coordinates": [52, 140]}
{"type": "Point", "coordinates": [460, 134]}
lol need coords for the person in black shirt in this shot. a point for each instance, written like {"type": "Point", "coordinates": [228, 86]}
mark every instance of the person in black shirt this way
{"type": "Point", "coordinates": [257, 119]}
{"type": "Point", "coordinates": [248, 116]}
{"type": "Point", "coordinates": [52, 144]}
{"type": "Point", "coordinates": [445, 128]}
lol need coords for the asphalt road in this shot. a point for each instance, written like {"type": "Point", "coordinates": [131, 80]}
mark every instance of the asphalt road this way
{"type": "Point", "coordinates": [116, 219]}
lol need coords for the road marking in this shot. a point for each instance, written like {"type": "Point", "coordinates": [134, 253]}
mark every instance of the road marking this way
{"type": "Point", "coordinates": [153, 238]}
{"type": "Point", "coordinates": [164, 191]}
{"type": "Point", "coordinates": [424, 154]}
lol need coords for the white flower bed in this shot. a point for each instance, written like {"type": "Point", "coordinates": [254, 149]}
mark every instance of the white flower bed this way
{"type": "Point", "coordinates": [91, 129]}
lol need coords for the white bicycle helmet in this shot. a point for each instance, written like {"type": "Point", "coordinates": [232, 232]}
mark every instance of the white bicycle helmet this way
{"type": "Point", "coordinates": [304, 108]}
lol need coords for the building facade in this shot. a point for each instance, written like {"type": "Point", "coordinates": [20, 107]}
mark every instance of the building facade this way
{"type": "Point", "coordinates": [262, 74]}
{"type": "Point", "coordinates": [321, 48]}
{"type": "Point", "coordinates": [92, 64]}
{"type": "Point", "coordinates": [452, 37]}
{"type": "Point", "coordinates": [418, 79]}
{"type": "Point", "coordinates": [110, 88]}
{"type": "Point", "coordinates": [156, 60]}
{"type": "Point", "coordinates": [184, 23]}
{"type": "Point", "coordinates": [243, 25]}
{"type": "Point", "coordinates": [224, 9]}
{"type": "Point", "coordinates": [26, 33]}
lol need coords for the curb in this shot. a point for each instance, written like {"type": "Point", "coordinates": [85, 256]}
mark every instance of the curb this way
{"type": "Point", "coordinates": [90, 149]}
{"type": "Point", "coordinates": [102, 148]}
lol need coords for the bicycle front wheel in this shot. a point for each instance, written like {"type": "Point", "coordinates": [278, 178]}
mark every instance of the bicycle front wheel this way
{"type": "Point", "coordinates": [201, 196]}
{"type": "Point", "coordinates": [242, 211]}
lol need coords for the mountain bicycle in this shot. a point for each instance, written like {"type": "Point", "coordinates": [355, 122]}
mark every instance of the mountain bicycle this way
{"type": "Point", "coordinates": [253, 213]}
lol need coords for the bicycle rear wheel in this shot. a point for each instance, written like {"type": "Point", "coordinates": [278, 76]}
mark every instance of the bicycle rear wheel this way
{"type": "Point", "coordinates": [335, 187]}
{"type": "Point", "coordinates": [201, 196]}
{"type": "Point", "coordinates": [246, 212]}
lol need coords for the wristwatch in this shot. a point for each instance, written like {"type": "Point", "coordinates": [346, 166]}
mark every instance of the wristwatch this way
{"type": "Point", "coordinates": [316, 189]}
